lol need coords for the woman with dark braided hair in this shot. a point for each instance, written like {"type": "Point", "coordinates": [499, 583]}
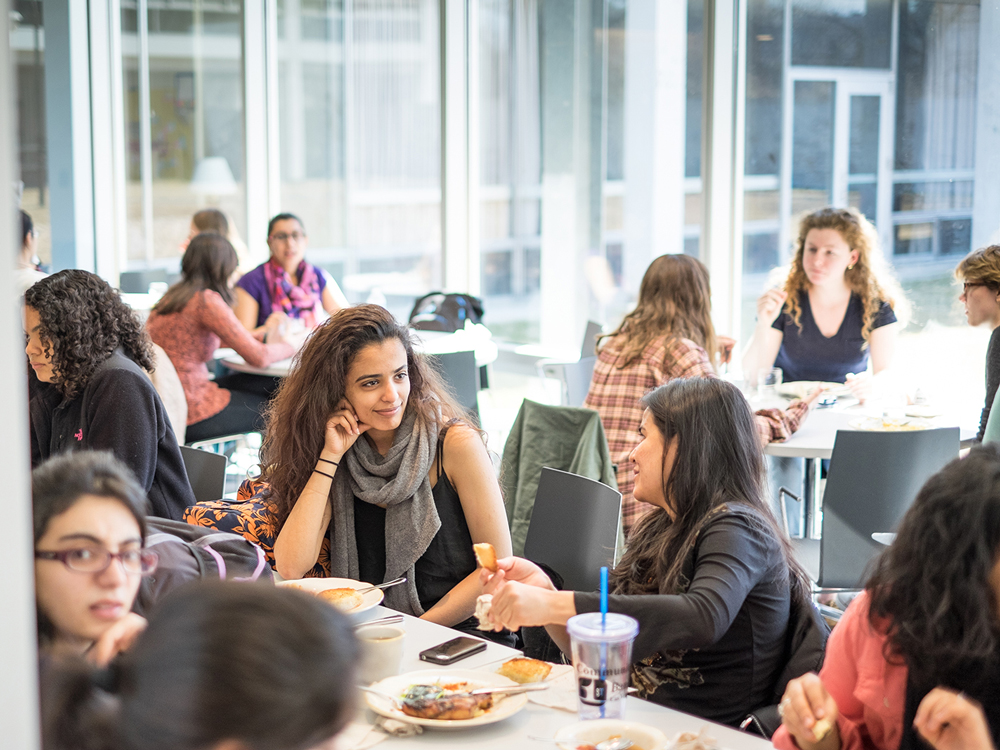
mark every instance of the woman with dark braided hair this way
{"type": "Point", "coordinates": [916, 657]}
{"type": "Point", "coordinates": [88, 351]}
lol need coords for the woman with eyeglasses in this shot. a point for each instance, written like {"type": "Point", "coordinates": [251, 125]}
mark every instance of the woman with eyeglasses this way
{"type": "Point", "coordinates": [979, 272]}
{"type": "Point", "coordinates": [90, 525]}
{"type": "Point", "coordinates": [286, 286]}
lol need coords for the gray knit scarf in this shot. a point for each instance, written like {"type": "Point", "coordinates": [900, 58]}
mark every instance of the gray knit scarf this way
{"type": "Point", "coordinates": [399, 481]}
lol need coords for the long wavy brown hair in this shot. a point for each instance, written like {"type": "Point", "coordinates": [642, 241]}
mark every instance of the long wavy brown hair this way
{"type": "Point", "coordinates": [870, 278]}
{"type": "Point", "coordinates": [718, 463]}
{"type": "Point", "coordinates": [296, 419]}
{"type": "Point", "coordinates": [675, 300]}
{"type": "Point", "coordinates": [82, 321]}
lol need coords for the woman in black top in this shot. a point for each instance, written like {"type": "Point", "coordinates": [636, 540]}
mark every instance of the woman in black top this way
{"type": "Point", "coordinates": [88, 351]}
{"type": "Point", "coordinates": [979, 273]}
{"type": "Point", "coordinates": [365, 448]}
{"type": "Point", "coordinates": [708, 576]}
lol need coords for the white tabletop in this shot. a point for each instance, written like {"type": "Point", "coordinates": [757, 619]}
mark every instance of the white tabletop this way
{"type": "Point", "coordinates": [533, 720]}
{"type": "Point", "coordinates": [818, 432]}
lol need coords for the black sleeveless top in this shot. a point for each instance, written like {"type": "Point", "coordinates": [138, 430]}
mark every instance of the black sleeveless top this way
{"type": "Point", "coordinates": [448, 559]}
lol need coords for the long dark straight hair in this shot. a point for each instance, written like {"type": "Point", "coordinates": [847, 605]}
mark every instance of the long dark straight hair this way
{"type": "Point", "coordinates": [208, 263]}
{"type": "Point", "coordinates": [718, 462]}
{"type": "Point", "coordinates": [930, 590]}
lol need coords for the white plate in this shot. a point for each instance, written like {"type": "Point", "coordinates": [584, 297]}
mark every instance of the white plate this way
{"type": "Point", "coordinates": [644, 736]}
{"type": "Point", "coordinates": [399, 684]}
{"type": "Point", "coordinates": [369, 599]}
{"type": "Point", "coordinates": [923, 411]}
{"type": "Point", "coordinates": [878, 424]}
{"type": "Point", "coordinates": [802, 388]}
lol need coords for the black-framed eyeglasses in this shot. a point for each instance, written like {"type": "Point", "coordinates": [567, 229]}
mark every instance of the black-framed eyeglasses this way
{"type": "Point", "coordinates": [282, 237]}
{"type": "Point", "coordinates": [90, 560]}
{"type": "Point", "coordinates": [971, 284]}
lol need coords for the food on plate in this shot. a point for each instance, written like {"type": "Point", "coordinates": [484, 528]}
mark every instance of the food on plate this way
{"type": "Point", "coordinates": [486, 556]}
{"type": "Point", "coordinates": [483, 604]}
{"type": "Point", "coordinates": [449, 701]}
{"type": "Point", "coordinates": [523, 670]}
{"type": "Point", "coordinates": [692, 741]}
{"type": "Point", "coordinates": [344, 599]}
{"type": "Point", "coordinates": [822, 728]}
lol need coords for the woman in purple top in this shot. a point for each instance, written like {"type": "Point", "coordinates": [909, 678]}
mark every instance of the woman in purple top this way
{"type": "Point", "coordinates": [286, 285]}
{"type": "Point", "coordinates": [836, 308]}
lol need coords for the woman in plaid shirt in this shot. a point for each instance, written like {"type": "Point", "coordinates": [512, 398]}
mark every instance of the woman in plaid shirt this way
{"type": "Point", "coordinates": [669, 335]}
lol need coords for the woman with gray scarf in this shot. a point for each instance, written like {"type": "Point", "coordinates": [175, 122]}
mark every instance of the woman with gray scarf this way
{"type": "Point", "coordinates": [366, 448]}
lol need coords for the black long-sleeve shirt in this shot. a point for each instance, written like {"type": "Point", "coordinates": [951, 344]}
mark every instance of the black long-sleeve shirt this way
{"type": "Point", "coordinates": [118, 411]}
{"type": "Point", "coordinates": [717, 649]}
{"type": "Point", "coordinates": [992, 379]}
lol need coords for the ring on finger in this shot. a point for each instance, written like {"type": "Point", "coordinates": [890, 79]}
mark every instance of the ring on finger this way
{"type": "Point", "coordinates": [782, 706]}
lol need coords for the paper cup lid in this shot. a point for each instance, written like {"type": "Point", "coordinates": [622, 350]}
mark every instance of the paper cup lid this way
{"type": "Point", "coordinates": [587, 627]}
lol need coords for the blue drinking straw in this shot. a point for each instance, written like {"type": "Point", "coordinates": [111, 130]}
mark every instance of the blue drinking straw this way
{"type": "Point", "coordinates": [604, 646]}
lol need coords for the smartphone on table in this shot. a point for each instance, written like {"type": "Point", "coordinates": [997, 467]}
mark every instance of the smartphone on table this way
{"type": "Point", "coordinates": [454, 650]}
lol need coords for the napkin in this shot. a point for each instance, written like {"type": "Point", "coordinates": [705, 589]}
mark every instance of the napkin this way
{"type": "Point", "coordinates": [562, 692]}
{"type": "Point", "coordinates": [358, 736]}
{"type": "Point", "coordinates": [397, 728]}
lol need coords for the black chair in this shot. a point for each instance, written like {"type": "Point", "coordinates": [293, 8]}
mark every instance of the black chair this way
{"type": "Point", "coordinates": [137, 282]}
{"type": "Point", "coordinates": [206, 472]}
{"type": "Point", "coordinates": [574, 527]}
{"type": "Point", "coordinates": [589, 347]}
{"type": "Point", "coordinates": [873, 479]}
{"type": "Point", "coordinates": [458, 369]}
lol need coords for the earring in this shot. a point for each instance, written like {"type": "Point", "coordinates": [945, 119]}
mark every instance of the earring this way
{"type": "Point", "coordinates": [850, 267]}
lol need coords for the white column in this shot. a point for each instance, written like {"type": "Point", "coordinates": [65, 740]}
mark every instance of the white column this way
{"type": "Point", "coordinates": [722, 156]}
{"type": "Point", "coordinates": [18, 641]}
{"type": "Point", "coordinates": [67, 124]}
{"type": "Point", "coordinates": [255, 55]}
{"type": "Point", "coordinates": [655, 100]}
{"type": "Point", "coordinates": [986, 196]}
{"type": "Point", "coordinates": [460, 257]}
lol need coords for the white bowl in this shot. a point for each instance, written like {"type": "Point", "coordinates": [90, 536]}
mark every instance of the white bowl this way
{"type": "Point", "coordinates": [644, 736]}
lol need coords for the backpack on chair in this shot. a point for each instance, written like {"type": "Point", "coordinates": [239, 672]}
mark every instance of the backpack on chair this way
{"type": "Point", "coordinates": [188, 553]}
{"type": "Point", "coordinates": [438, 311]}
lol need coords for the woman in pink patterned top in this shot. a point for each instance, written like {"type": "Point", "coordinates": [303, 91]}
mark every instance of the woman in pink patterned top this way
{"type": "Point", "coordinates": [192, 320]}
{"type": "Point", "coordinates": [668, 335]}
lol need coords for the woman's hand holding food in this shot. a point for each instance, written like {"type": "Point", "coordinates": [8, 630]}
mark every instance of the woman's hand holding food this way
{"type": "Point", "coordinates": [809, 713]}
{"type": "Point", "coordinates": [769, 306]}
{"type": "Point", "coordinates": [950, 721]}
{"type": "Point", "coordinates": [342, 430]}
{"type": "Point", "coordinates": [522, 594]}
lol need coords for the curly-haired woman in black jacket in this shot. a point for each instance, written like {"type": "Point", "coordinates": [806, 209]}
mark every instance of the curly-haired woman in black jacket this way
{"type": "Point", "coordinates": [88, 351]}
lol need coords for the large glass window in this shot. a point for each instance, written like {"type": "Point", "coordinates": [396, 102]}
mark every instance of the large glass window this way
{"type": "Point", "coordinates": [360, 132]}
{"type": "Point", "coordinates": [182, 72]}
{"type": "Point", "coordinates": [27, 42]}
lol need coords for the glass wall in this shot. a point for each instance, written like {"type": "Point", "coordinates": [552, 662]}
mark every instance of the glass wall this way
{"type": "Point", "coordinates": [182, 69]}
{"type": "Point", "coordinates": [27, 42]}
{"type": "Point", "coordinates": [360, 136]}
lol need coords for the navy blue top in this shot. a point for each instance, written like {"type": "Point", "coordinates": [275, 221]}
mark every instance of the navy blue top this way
{"type": "Point", "coordinates": [809, 355]}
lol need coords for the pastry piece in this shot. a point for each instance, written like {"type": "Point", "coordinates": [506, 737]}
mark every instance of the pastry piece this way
{"type": "Point", "coordinates": [523, 670]}
{"type": "Point", "coordinates": [486, 556]}
{"type": "Point", "coordinates": [483, 604]}
{"type": "Point", "coordinates": [344, 599]}
{"type": "Point", "coordinates": [821, 728]}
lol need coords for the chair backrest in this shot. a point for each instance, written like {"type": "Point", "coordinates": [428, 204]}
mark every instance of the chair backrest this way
{"type": "Point", "coordinates": [459, 371]}
{"type": "Point", "coordinates": [168, 385]}
{"type": "Point", "coordinates": [992, 432]}
{"type": "Point", "coordinates": [873, 479]}
{"type": "Point", "coordinates": [206, 471]}
{"type": "Point", "coordinates": [137, 282]}
{"type": "Point", "coordinates": [589, 347]}
{"type": "Point", "coordinates": [574, 527]}
{"type": "Point", "coordinates": [578, 375]}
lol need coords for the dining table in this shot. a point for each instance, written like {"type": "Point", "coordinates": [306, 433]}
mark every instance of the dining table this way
{"type": "Point", "coordinates": [815, 438]}
{"type": "Point", "coordinates": [513, 732]}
